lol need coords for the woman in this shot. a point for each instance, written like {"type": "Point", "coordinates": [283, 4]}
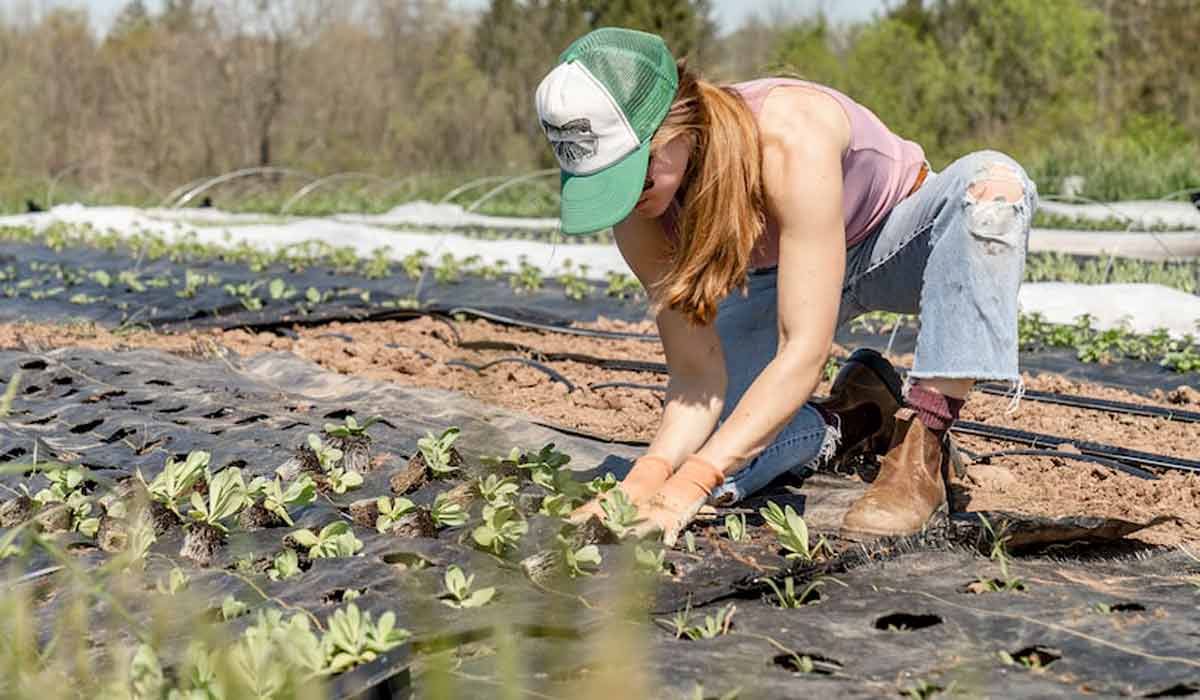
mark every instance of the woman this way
{"type": "Point", "coordinates": [762, 216]}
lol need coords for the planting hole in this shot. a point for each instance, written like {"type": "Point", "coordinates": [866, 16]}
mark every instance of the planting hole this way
{"type": "Point", "coordinates": [140, 402]}
{"type": "Point", "coordinates": [407, 560]}
{"type": "Point", "coordinates": [905, 622]}
{"type": "Point", "coordinates": [252, 419]}
{"type": "Point", "coordinates": [1127, 608]}
{"type": "Point", "coordinates": [338, 595]}
{"type": "Point", "coordinates": [176, 409]}
{"type": "Point", "coordinates": [1036, 656]}
{"type": "Point", "coordinates": [237, 463]}
{"type": "Point", "coordinates": [87, 427]}
{"type": "Point", "coordinates": [34, 365]}
{"type": "Point", "coordinates": [63, 381]}
{"type": "Point", "coordinates": [32, 389]}
{"type": "Point", "coordinates": [43, 421]}
{"type": "Point", "coordinates": [13, 454]}
{"type": "Point", "coordinates": [340, 414]}
{"type": "Point", "coordinates": [159, 382]}
{"type": "Point", "coordinates": [807, 664]}
{"type": "Point", "coordinates": [105, 396]}
{"type": "Point", "coordinates": [219, 413]}
{"type": "Point", "coordinates": [1179, 690]}
{"type": "Point", "coordinates": [120, 434]}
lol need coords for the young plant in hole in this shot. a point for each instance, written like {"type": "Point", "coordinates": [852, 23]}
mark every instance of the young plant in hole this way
{"type": "Point", "coordinates": [792, 532]}
{"type": "Point", "coordinates": [619, 514]}
{"type": "Point", "coordinates": [689, 542]}
{"type": "Point", "coordinates": [651, 561]}
{"type": "Point", "coordinates": [353, 639]}
{"type": "Point", "coordinates": [334, 540]}
{"type": "Point", "coordinates": [226, 496]}
{"type": "Point", "coordinates": [280, 290]}
{"type": "Point", "coordinates": [339, 479]}
{"type": "Point", "coordinates": [275, 499]}
{"type": "Point", "coordinates": [575, 286]}
{"type": "Point", "coordinates": [448, 270]}
{"type": "Point", "coordinates": [391, 511]}
{"type": "Point", "coordinates": [244, 292]}
{"type": "Point", "coordinates": [458, 593]}
{"type": "Point", "coordinates": [579, 561]}
{"type": "Point", "coordinates": [414, 263]}
{"type": "Point", "coordinates": [176, 480]}
{"type": "Point", "coordinates": [447, 513]}
{"type": "Point", "coordinates": [495, 490]}
{"type": "Point", "coordinates": [175, 581]}
{"type": "Point", "coordinates": [66, 492]}
{"type": "Point", "coordinates": [438, 453]}
{"type": "Point", "coordinates": [712, 626]}
{"type": "Point", "coordinates": [602, 484]}
{"type": "Point", "coordinates": [232, 608]}
{"type": "Point", "coordinates": [501, 530]}
{"type": "Point", "coordinates": [1007, 582]}
{"type": "Point", "coordinates": [350, 428]}
{"type": "Point", "coordinates": [285, 565]}
{"type": "Point", "coordinates": [623, 286]}
{"type": "Point", "coordinates": [786, 597]}
{"type": "Point", "coordinates": [528, 278]}
{"type": "Point", "coordinates": [735, 527]}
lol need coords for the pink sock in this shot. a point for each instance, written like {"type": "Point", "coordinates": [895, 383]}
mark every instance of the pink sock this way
{"type": "Point", "coordinates": [934, 409]}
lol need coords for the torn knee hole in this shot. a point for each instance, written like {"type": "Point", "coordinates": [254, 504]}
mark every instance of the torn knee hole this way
{"type": "Point", "coordinates": [998, 181]}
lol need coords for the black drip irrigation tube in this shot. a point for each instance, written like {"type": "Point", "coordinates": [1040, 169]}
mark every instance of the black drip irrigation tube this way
{"type": "Point", "coordinates": [1091, 459]}
{"type": "Point", "coordinates": [1095, 404]}
{"type": "Point", "coordinates": [567, 330]}
{"type": "Point", "coordinates": [1095, 449]}
{"type": "Point", "coordinates": [520, 361]}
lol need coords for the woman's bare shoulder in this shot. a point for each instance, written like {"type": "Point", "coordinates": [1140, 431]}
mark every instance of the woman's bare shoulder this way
{"type": "Point", "coordinates": [792, 112]}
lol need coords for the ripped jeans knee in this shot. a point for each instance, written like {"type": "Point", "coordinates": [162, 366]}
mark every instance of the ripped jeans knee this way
{"type": "Point", "coordinates": [997, 202]}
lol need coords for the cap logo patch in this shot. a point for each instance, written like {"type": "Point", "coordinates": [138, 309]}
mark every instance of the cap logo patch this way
{"type": "Point", "coordinates": [573, 141]}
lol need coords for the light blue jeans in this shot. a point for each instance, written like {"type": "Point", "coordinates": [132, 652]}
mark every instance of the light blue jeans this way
{"type": "Point", "coordinates": [939, 253]}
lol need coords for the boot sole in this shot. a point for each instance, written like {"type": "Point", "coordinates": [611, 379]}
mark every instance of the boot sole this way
{"type": "Point", "coordinates": [868, 535]}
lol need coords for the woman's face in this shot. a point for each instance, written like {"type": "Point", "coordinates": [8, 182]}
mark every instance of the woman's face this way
{"type": "Point", "coordinates": [665, 174]}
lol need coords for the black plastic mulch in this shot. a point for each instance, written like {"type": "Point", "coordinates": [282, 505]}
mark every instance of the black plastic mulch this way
{"type": "Point", "coordinates": [117, 412]}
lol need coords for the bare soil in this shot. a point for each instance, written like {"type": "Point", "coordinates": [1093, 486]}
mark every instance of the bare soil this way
{"type": "Point", "coordinates": [416, 352]}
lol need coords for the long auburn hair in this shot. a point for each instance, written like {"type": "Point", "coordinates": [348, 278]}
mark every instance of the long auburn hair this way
{"type": "Point", "coordinates": [721, 217]}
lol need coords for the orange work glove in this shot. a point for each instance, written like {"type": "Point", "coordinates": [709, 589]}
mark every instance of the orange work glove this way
{"type": "Point", "coordinates": [643, 481]}
{"type": "Point", "coordinates": [678, 500]}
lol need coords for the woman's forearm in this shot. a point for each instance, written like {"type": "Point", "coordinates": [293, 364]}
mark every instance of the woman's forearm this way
{"type": "Point", "coordinates": [778, 392]}
{"type": "Point", "coordinates": [693, 406]}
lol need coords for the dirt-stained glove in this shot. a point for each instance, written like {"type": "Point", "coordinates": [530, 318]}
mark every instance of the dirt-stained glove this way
{"type": "Point", "coordinates": [678, 500]}
{"type": "Point", "coordinates": [648, 474]}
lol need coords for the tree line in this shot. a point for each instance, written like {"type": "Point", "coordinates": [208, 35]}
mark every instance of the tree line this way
{"type": "Point", "coordinates": [1105, 88]}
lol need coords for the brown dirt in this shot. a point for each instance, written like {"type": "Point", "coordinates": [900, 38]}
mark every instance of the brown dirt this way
{"type": "Point", "coordinates": [414, 353]}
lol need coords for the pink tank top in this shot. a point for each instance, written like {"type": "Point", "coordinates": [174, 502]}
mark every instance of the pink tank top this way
{"type": "Point", "coordinates": [879, 169]}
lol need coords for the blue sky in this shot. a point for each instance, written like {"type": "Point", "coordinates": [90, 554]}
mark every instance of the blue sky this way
{"type": "Point", "coordinates": [730, 13]}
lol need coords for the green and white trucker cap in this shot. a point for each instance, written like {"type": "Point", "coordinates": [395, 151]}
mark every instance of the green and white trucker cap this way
{"type": "Point", "coordinates": [599, 107]}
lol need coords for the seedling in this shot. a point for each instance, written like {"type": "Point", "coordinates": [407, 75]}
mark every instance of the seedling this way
{"type": "Point", "coordinates": [339, 479]}
{"type": "Point", "coordinates": [285, 566]}
{"type": "Point", "coordinates": [226, 496]}
{"type": "Point", "coordinates": [327, 457]}
{"type": "Point", "coordinates": [447, 513]}
{"type": "Point", "coordinates": [174, 582]}
{"type": "Point", "coordinates": [414, 263]}
{"type": "Point", "coordinates": [334, 540]}
{"type": "Point", "coordinates": [501, 530]}
{"type": "Point", "coordinates": [350, 428]}
{"type": "Point", "coordinates": [652, 561]}
{"type": "Point", "coordinates": [735, 527]}
{"type": "Point", "coordinates": [66, 490]}
{"type": "Point", "coordinates": [786, 597]}
{"type": "Point", "coordinates": [244, 292]}
{"type": "Point", "coordinates": [280, 290]}
{"type": "Point", "coordinates": [602, 484]}
{"type": "Point", "coordinates": [276, 499]}
{"type": "Point", "coordinates": [497, 491]}
{"type": "Point", "coordinates": [712, 626]}
{"type": "Point", "coordinates": [689, 542]}
{"type": "Point", "coordinates": [391, 510]}
{"type": "Point", "coordinates": [233, 608]}
{"type": "Point", "coordinates": [619, 514]}
{"type": "Point", "coordinates": [579, 561]}
{"type": "Point", "coordinates": [1007, 582]}
{"type": "Point", "coordinates": [458, 592]}
{"type": "Point", "coordinates": [623, 286]}
{"type": "Point", "coordinates": [792, 532]}
{"type": "Point", "coordinates": [448, 270]}
{"type": "Point", "coordinates": [575, 286]}
{"type": "Point", "coordinates": [528, 278]}
{"type": "Point", "coordinates": [437, 452]}
{"type": "Point", "coordinates": [353, 639]}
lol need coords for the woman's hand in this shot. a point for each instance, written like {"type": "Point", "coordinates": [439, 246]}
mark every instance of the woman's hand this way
{"type": "Point", "coordinates": [648, 474]}
{"type": "Point", "coordinates": [678, 500]}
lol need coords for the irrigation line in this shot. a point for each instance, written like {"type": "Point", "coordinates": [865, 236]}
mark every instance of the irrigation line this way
{"type": "Point", "coordinates": [1059, 454]}
{"type": "Point", "coordinates": [566, 330]}
{"type": "Point", "coordinates": [1094, 404]}
{"type": "Point", "coordinates": [517, 360]}
{"type": "Point", "coordinates": [1039, 440]}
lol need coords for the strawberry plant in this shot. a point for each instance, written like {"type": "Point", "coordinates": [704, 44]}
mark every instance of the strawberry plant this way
{"type": "Point", "coordinates": [226, 496]}
{"type": "Point", "coordinates": [712, 626]}
{"type": "Point", "coordinates": [352, 639]}
{"type": "Point", "coordinates": [350, 428]}
{"type": "Point", "coordinates": [175, 581]}
{"type": "Point", "coordinates": [391, 510]}
{"type": "Point", "coordinates": [176, 480]}
{"type": "Point", "coordinates": [502, 529]}
{"type": "Point", "coordinates": [735, 527]}
{"type": "Point", "coordinates": [458, 593]}
{"type": "Point", "coordinates": [334, 540]}
{"type": "Point", "coordinates": [786, 597]}
{"type": "Point", "coordinates": [276, 500]}
{"type": "Point", "coordinates": [652, 561]}
{"type": "Point", "coordinates": [232, 608]}
{"type": "Point", "coordinates": [619, 514]}
{"type": "Point", "coordinates": [438, 452]}
{"type": "Point", "coordinates": [285, 565]}
{"type": "Point", "coordinates": [447, 513]}
{"type": "Point", "coordinates": [495, 490]}
{"type": "Point", "coordinates": [579, 561]}
{"type": "Point", "coordinates": [792, 532]}
{"type": "Point", "coordinates": [337, 478]}
{"type": "Point", "coordinates": [71, 508]}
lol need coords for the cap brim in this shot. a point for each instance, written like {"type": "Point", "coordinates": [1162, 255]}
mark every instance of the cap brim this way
{"type": "Point", "coordinates": [595, 202]}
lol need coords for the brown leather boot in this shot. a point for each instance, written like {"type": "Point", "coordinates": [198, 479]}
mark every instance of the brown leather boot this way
{"type": "Point", "coordinates": [865, 396]}
{"type": "Point", "coordinates": [910, 487]}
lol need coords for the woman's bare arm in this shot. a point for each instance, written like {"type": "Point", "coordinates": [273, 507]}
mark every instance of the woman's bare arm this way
{"type": "Point", "coordinates": [696, 389]}
{"type": "Point", "coordinates": [802, 142]}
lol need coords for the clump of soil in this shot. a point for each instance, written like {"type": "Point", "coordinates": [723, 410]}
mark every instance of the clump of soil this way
{"type": "Point", "coordinates": [202, 543]}
{"type": "Point", "coordinates": [54, 517]}
{"type": "Point", "coordinates": [16, 510]}
{"type": "Point", "coordinates": [356, 452]}
{"type": "Point", "coordinates": [418, 523]}
{"type": "Point", "coordinates": [416, 472]}
{"type": "Point", "coordinates": [113, 535]}
{"type": "Point", "coordinates": [365, 512]}
{"type": "Point", "coordinates": [256, 517]}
